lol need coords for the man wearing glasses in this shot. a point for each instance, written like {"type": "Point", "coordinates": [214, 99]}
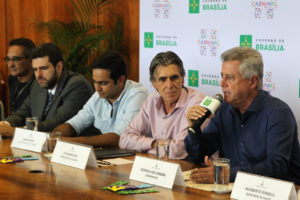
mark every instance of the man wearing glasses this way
{"type": "Point", "coordinates": [55, 96]}
{"type": "Point", "coordinates": [18, 62]}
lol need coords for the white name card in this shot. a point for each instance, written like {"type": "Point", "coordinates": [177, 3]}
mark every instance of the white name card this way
{"type": "Point", "coordinates": [29, 140]}
{"type": "Point", "coordinates": [156, 172]}
{"type": "Point", "coordinates": [74, 155]}
{"type": "Point", "coordinates": [251, 186]}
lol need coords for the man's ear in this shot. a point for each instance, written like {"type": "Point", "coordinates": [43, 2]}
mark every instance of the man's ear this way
{"type": "Point", "coordinates": [254, 82]}
{"type": "Point", "coordinates": [154, 84]}
{"type": "Point", "coordinates": [122, 79]}
{"type": "Point", "coordinates": [59, 67]}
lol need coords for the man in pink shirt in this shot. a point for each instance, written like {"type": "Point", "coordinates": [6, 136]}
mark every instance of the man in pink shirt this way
{"type": "Point", "coordinates": [162, 116]}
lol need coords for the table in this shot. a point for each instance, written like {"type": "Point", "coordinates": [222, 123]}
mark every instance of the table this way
{"type": "Point", "coordinates": [63, 182]}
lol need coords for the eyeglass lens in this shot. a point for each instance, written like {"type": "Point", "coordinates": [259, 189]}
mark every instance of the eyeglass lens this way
{"type": "Point", "coordinates": [13, 59]}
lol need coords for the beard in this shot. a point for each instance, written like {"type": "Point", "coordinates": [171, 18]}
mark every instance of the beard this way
{"type": "Point", "coordinates": [51, 82]}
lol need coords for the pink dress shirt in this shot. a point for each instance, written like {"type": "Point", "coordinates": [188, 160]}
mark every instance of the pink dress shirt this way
{"type": "Point", "coordinates": [152, 123]}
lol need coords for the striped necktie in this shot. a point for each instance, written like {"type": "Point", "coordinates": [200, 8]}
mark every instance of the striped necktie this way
{"type": "Point", "coordinates": [50, 99]}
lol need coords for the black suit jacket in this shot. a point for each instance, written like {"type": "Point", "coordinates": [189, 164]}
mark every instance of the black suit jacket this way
{"type": "Point", "coordinates": [72, 92]}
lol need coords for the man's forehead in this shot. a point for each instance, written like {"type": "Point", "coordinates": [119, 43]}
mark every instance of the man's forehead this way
{"type": "Point", "coordinates": [167, 71]}
{"type": "Point", "coordinates": [15, 50]}
{"type": "Point", "coordinates": [101, 74]}
{"type": "Point", "coordinates": [41, 62]}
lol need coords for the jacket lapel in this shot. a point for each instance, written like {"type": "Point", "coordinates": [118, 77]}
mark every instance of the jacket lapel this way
{"type": "Point", "coordinates": [40, 102]}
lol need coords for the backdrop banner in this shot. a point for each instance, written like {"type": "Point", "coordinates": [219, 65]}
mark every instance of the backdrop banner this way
{"type": "Point", "coordinates": [199, 31]}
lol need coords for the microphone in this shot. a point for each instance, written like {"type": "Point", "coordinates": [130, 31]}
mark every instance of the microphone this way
{"type": "Point", "coordinates": [212, 105]}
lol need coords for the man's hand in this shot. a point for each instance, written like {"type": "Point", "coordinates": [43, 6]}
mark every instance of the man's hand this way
{"type": "Point", "coordinates": [204, 175]}
{"type": "Point", "coordinates": [70, 139]}
{"type": "Point", "coordinates": [194, 113]}
{"type": "Point", "coordinates": [6, 130]}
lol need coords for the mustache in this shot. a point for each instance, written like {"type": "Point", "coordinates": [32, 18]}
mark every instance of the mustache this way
{"type": "Point", "coordinates": [40, 78]}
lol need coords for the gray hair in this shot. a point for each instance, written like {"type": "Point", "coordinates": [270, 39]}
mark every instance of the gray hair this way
{"type": "Point", "coordinates": [164, 59]}
{"type": "Point", "coordinates": [251, 62]}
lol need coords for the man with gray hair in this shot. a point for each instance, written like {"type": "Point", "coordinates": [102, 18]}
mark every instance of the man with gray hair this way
{"type": "Point", "coordinates": [256, 131]}
{"type": "Point", "coordinates": [161, 119]}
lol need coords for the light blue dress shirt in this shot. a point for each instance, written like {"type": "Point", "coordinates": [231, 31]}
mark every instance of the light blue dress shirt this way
{"type": "Point", "coordinates": [97, 111]}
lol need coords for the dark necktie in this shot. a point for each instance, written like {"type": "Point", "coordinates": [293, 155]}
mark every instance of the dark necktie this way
{"type": "Point", "coordinates": [50, 98]}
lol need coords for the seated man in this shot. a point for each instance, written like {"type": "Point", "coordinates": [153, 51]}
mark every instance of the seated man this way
{"type": "Point", "coordinates": [162, 116]}
{"type": "Point", "coordinates": [256, 131]}
{"type": "Point", "coordinates": [111, 108]}
{"type": "Point", "coordinates": [18, 62]}
{"type": "Point", "coordinates": [55, 96]}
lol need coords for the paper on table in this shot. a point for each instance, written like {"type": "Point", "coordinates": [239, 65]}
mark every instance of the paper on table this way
{"type": "Point", "coordinates": [192, 184]}
{"type": "Point", "coordinates": [118, 161]}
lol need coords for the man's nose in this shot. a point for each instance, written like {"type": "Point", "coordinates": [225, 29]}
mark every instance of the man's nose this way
{"type": "Point", "coordinates": [98, 87]}
{"type": "Point", "coordinates": [223, 83]}
{"type": "Point", "coordinates": [38, 73]}
{"type": "Point", "coordinates": [169, 83]}
{"type": "Point", "coordinates": [10, 64]}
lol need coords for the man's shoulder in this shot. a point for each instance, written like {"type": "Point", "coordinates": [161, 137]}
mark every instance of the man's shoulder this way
{"type": "Point", "coordinates": [72, 79]}
{"type": "Point", "coordinates": [75, 77]}
{"type": "Point", "coordinates": [273, 103]}
{"type": "Point", "coordinates": [132, 88]}
{"type": "Point", "coordinates": [132, 85]}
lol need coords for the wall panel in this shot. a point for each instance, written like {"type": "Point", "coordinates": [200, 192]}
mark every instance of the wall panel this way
{"type": "Point", "coordinates": [17, 17]}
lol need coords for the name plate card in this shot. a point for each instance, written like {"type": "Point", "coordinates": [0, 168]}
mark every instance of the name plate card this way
{"type": "Point", "coordinates": [251, 186]}
{"type": "Point", "coordinates": [29, 140]}
{"type": "Point", "coordinates": [74, 155]}
{"type": "Point", "coordinates": [156, 172]}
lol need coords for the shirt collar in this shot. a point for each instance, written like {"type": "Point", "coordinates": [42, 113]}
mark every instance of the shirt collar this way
{"type": "Point", "coordinates": [122, 93]}
{"type": "Point", "coordinates": [53, 90]}
{"type": "Point", "coordinates": [256, 103]}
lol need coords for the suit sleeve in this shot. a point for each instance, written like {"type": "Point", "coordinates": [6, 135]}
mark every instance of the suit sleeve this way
{"type": "Point", "coordinates": [18, 118]}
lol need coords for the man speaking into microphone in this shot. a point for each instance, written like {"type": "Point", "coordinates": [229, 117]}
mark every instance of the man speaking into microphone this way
{"type": "Point", "coordinates": [256, 131]}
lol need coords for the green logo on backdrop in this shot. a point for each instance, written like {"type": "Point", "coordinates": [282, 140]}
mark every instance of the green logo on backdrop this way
{"type": "Point", "coordinates": [148, 40]}
{"type": "Point", "coordinates": [193, 78]}
{"type": "Point", "coordinates": [194, 6]}
{"type": "Point", "coordinates": [246, 41]}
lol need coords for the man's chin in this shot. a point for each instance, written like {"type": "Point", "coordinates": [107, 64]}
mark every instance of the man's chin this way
{"type": "Point", "coordinates": [227, 100]}
{"type": "Point", "coordinates": [13, 73]}
{"type": "Point", "coordinates": [101, 95]}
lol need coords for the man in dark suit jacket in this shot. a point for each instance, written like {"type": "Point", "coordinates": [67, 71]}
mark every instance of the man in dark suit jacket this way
{"type": "Point", "coordinates": [70, 92]}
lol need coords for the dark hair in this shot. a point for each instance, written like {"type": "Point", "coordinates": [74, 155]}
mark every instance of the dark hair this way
{"type": "Point", "coordinates": [27, 44]}
{"type": "Point", "coordinates": [164, 59]}
{"type": "Point", "coordinates": [113, 62]}
{"type": "Point", "coordinates": [48, 49]}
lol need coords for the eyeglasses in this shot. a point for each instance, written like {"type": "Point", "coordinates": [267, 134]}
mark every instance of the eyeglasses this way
{"type": "Point", "coordinates": [13, 59]}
